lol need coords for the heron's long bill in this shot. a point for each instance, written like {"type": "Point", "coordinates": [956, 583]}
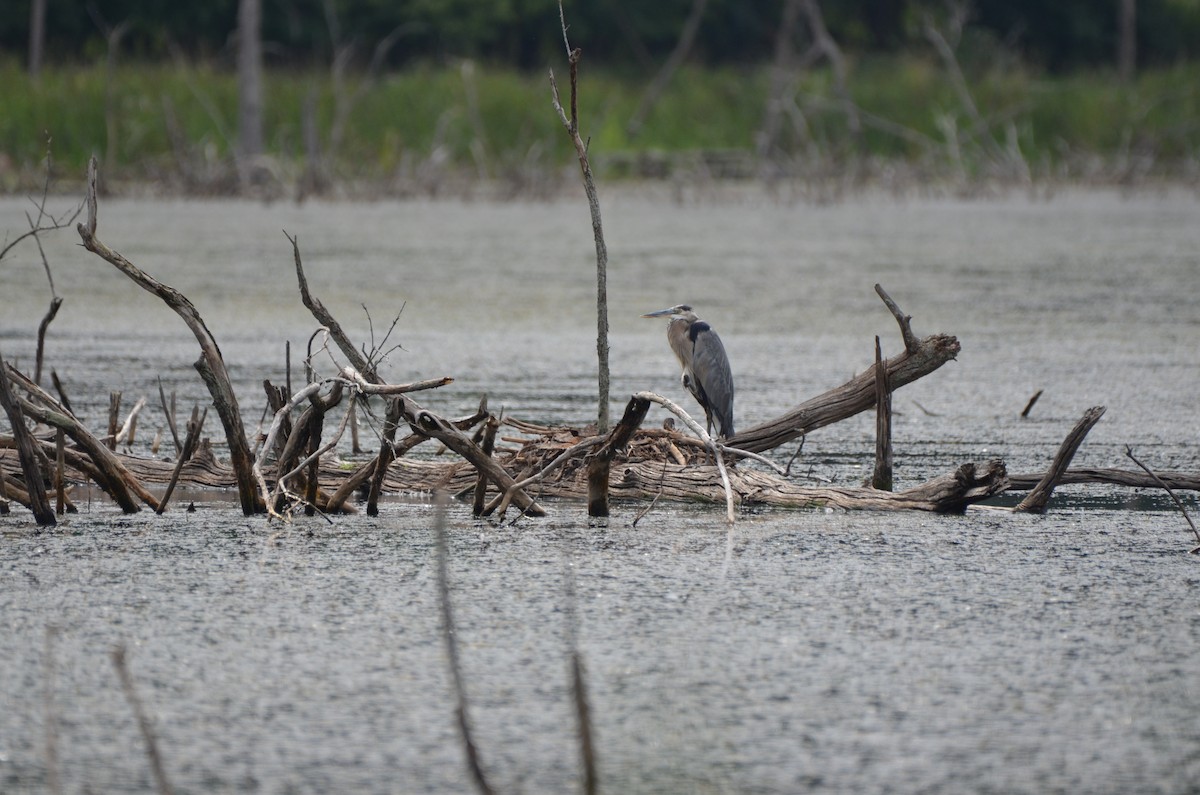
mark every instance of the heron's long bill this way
{"type": "Point", "coordinates": [661, 313]}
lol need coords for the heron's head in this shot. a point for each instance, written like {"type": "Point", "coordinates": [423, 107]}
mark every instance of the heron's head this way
{"type": "Point", "coordinates": [677, 312]}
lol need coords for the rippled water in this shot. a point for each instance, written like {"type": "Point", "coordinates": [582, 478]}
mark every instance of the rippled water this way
{"type": "Point", "coordinates": [820, 651]}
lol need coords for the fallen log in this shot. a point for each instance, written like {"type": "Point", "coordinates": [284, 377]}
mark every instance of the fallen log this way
{"type": "Point", "coordinates": [952, 493]}
{"type": "Point", "coordinates": [920, 358]}
{"type": "Point", "coordinates": [1182, 481]}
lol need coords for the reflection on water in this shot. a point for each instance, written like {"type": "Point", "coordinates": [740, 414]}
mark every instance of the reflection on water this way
{"type": "Point", "coordinates": [828, 651]}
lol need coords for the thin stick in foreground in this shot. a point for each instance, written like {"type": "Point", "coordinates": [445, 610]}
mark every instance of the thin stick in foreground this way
{"type": "Point", "coordinates": [139, 712]}
{"type": "Point", "coordinates": [448, 633]}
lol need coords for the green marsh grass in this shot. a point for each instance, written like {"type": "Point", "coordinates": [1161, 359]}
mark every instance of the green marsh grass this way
{"type": "Point", "coordinates": [484, 119]}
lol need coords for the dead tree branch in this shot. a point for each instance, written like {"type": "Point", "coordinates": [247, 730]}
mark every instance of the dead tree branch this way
{"type": "Point", "coordinates": [211, 365]}
{"type": "Point", "coordinates": [35, 483]}
{"type": "Point", "coordinates": [1178, 504]}
{"type": "Point", "coordinates": [920, 358]}
{"type": "Point", "coordinates": [571, 125]}
{"type": "Point", "coordinates": [1036, 500]}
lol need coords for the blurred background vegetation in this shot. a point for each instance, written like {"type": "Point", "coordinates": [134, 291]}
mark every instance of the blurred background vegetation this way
{"type": "Point", "coordinates": [388, 96]}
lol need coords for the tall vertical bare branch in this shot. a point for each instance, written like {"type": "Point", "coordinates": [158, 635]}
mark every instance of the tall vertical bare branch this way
{"type": "Point", "coordinates": [572, 127]}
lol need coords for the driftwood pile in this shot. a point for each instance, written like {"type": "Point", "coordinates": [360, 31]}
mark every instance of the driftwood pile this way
{"type": "Point", "coordinates": [292, 467]}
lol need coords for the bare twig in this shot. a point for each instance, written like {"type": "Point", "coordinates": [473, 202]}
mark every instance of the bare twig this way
{"type": "Point", "coordinates": [583, 719]}
{"type": "Point", "coordinates": [1178, 504]}
{"type": "Point", "coordinates": [1029, 405]}
{"type": "Point", "coordinates": [714, 447]}
{"type": "Point", "coordinates": [169, 412]}
{"type": "Point", "coordinates": [661, 484]}
{"type": "Point", "coordinates": [194, 427]}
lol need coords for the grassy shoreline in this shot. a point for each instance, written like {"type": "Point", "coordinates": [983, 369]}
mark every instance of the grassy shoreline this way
{"type": "Point", "coordinates": [424, 129]}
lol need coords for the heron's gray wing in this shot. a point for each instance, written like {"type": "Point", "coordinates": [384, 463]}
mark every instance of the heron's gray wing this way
{"type": "Point", "coordinates": [710, 369]}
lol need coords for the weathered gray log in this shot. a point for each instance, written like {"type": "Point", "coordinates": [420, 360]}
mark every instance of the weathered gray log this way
{"type": "Point", "coordinates": [210, 365]}
{"type": "Point", "coordinates": [920, 358]}
{"type": "Point", "coordinates": [35, 485]}
{"type": "Point", "coordinates": [1185, 481]}
{"type": "Point", "coordinates": [953, 493]}
{"type": "Point", "coordinates": [1037, 499]}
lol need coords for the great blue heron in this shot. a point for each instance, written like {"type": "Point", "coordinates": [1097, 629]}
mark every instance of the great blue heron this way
{"type": "Point", "coordinates": [705, 366]}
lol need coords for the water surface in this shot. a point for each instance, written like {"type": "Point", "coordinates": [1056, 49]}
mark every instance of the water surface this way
{"type": "Point", "coordinates": [822, 651]}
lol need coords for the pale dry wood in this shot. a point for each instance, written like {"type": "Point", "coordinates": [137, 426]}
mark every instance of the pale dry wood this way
{"type": "Point", "coordinates": [714, 447]}
{"type": "Point", "coordinates": [268, 495]}
{"type": "Point", "coordinates": [125, 434]}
